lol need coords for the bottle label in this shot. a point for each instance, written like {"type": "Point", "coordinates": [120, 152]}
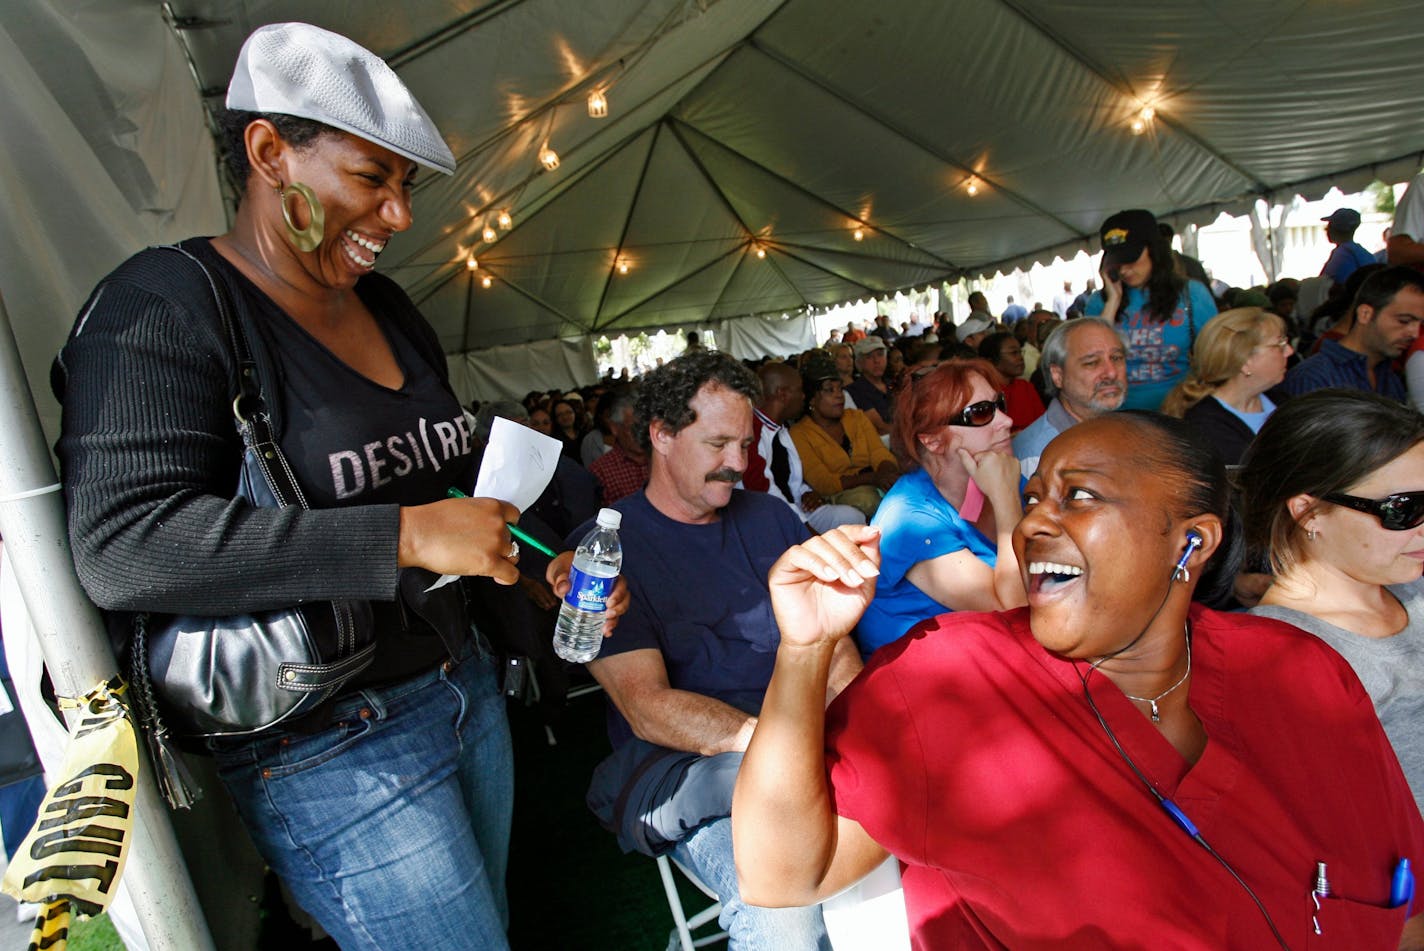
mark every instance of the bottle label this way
{"type": "Point", "coordinates": [589, 592]}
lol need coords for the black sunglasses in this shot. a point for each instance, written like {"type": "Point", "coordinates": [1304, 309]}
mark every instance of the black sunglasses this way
{"type": "Point", "coordinates": [1398, 513]}
{"type": "Point", "coordinates": [981, 413]}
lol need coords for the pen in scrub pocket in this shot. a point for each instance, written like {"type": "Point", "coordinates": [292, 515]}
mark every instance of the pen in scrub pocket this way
{"type": "Point", "coordinates": [514, 530]}
{"type": "Point", "coordinates": [1401, 885]}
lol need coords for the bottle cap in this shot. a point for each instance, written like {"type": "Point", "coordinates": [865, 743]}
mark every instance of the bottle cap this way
{"type": "Point", "coordinates": [609, 518]}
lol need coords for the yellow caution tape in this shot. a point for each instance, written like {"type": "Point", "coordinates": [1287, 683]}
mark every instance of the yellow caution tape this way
{"type": "Point", "coordinates": [75, 854]}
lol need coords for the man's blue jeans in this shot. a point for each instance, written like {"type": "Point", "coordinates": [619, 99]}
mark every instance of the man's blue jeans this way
{"type": "Point", "coordinates": [391, 826]}
{"type": "Point", "coordinates": [707, 850]}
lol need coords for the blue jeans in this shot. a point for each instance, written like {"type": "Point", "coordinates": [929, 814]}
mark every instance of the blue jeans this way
{"type": "Point", "coordinates": [391, 826]}
{"type": "Point", "coordinates": [707, 851]}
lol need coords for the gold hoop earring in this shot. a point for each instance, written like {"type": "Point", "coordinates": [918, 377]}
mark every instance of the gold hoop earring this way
{"type": "Point", "coordinates": [308, 238]}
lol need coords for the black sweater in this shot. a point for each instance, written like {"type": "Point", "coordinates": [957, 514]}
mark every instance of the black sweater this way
{"type": "Point", "coordinates": [150, 455]}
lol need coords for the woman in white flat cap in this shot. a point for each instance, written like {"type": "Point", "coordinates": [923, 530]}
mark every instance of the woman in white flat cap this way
{"type": "Point", "coordinates": [386, 810]}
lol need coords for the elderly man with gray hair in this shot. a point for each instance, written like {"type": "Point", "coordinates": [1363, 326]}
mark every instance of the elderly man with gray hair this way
{"type": "Point", "coordinates": [623, 469]}
{"type": "Point", "coordinates": [1086, 368]}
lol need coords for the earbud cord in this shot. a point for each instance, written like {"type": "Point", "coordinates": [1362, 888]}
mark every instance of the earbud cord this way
{"type": "Point", "coordinates": [1171, 808]}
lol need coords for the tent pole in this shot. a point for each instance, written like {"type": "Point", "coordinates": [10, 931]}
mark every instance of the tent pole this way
{"type": "Point", "coordinates": [76, 648]}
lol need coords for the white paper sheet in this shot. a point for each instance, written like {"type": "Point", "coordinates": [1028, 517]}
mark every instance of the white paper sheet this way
{"type": "Point", "coordinates": [517, 467]}
{"type": "Point", "coordinates": [518, 464]}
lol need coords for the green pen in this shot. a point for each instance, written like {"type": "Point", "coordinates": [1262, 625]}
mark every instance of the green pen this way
{"type": "Point", "coordinates": [514, 530]}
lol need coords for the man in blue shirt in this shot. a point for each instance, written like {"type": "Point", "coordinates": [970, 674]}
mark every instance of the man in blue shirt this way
{"type": "Point", "coordinates": [1086, 363]}
{"type": "Point", "coordinates": [1348, 256]}
{"type": "Point", "coordinates": [1013, 313]}
{"type": "Point", "coordinates": [693, 656]}
{"type": "Point", "coordinates": [1384, 324]}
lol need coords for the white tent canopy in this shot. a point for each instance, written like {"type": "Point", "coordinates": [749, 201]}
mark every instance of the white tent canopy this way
{"type": "Point", "coordinates": [733, 126]}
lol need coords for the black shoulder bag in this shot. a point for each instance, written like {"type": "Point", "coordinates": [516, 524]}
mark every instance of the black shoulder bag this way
{"type": "Point", "coordinates": [201, 676]}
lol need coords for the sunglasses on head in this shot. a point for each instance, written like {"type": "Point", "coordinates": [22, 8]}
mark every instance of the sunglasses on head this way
{"type": "Point", "coordinates": [1398, 513]}
{"type": "Point", "coordinates": [980, 413]}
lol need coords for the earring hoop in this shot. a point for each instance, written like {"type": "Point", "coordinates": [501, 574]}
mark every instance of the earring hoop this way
{"type": "Point", "coordinates": [1311, 534]}
{"type": "Point", "coordinates": [310, 237]}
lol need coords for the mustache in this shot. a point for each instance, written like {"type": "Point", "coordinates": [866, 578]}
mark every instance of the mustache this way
{"type": "Point", "coordinates": [732, 476]}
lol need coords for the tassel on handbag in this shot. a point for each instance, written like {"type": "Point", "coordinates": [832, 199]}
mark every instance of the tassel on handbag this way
{"type": "Point", "coordinates": [175, 781]}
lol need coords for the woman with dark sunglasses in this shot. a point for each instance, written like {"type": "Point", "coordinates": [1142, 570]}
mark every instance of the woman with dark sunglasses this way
{"type": "Point", "coordinates": [947, 523]}
{"type": "Point", "coordinates": [1333, 488]}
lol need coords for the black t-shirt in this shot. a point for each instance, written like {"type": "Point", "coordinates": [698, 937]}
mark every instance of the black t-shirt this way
{"type": "Point", "coordinates": [352, 441]}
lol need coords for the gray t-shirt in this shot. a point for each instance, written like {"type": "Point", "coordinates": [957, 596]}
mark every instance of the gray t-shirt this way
{"type": "Point", "coordinates": [1391, 669]}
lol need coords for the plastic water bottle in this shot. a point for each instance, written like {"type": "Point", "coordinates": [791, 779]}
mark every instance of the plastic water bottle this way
{"type": "Point", "coordinates": [579, 632]}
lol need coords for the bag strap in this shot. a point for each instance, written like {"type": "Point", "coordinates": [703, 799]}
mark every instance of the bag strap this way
{"type": "Point", "coordinates": [175, 782]}
{"type": "Point", "coordinates": [254, 423]}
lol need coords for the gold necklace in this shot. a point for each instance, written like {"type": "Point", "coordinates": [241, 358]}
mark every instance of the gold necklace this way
{"type": "Point", "coordinates": [1156, 716]}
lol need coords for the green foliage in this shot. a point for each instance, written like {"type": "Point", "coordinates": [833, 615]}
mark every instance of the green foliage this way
{"type": "Point", "coordinates": [1383, 196]}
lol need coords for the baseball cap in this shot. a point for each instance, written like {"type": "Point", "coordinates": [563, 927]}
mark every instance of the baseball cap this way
{"type": "Point", "coordinates": [1125, 234]}
{"type": "Point", "coordinates": [1346, 218]}
{"type": "Point", "coordinates": [302, 70]}
{"type": "Point", "coordinates": [872, 342]}
{"type": "Point", "coordinates": [819, 366]}
{"type": "Point", "coordinates": [974, 325]}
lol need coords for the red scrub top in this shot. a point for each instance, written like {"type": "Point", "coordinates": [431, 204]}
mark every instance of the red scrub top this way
{"type": "Point", "coordinates": [970, 753]}
{"type": "Point", "coordinates": [1022, 403]}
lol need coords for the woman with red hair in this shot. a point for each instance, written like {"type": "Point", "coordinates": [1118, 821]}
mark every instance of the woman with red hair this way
{"type": "Point", "coordinates": [946, 525]}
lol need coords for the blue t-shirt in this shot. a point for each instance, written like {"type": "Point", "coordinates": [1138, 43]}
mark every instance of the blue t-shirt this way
{"type": "Point", "coordinates": [916, 524]}
{"type": "Point", "coordinates": [699, 596]}
{"type": "Point", "coordinates": [1157, 353]}
{"type": "Point", "coordinates": [1345, 260]}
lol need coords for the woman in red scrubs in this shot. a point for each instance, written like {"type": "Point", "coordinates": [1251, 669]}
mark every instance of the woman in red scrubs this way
{"type": "Point", "coordinates": [1112, 766]}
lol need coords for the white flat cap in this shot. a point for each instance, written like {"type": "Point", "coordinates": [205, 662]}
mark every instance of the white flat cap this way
{"type": "Point", "coordinates": [301, 70]}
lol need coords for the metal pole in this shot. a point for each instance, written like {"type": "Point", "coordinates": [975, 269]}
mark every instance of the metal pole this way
{"type": "Point", "coordinates": [76, 648]}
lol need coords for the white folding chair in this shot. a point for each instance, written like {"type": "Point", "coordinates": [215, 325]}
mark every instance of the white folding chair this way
{"type": "Point", "coordinates": [681, 935]}
{"type": "Point", "coordinates": [870, 915]}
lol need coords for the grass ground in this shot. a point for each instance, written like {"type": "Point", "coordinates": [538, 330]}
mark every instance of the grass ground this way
{"type": "Point", "coordinates": [570, 887]}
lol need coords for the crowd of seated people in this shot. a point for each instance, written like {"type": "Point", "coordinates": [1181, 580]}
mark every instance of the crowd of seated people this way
{"type": "Point", "coordinates": [1031, 672]}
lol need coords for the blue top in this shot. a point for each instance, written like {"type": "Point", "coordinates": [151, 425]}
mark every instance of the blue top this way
{"type": "Point", "coordinates": [1035, 437]}
{"type": "Point", "coordinates": [699, 596]}
{"type": "Point", "coordinates": [1345, 260]}
{"type": "Point", "coordinates": [1339, 366]}
{"type": "Point", "coordinates": [917, 524]}
{"type": "Point", "coordinates": [1157, 353]}
{"type": "Point", "coordinates": [1253, 420]}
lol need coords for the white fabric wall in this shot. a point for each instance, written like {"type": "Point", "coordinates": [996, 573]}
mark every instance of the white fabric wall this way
{"type": "Point", "coordinates": [79, 195]}
{"type": "Point", "coordinates": [751, 338]}
{"type": "Point", "coordinates": [507, 373]}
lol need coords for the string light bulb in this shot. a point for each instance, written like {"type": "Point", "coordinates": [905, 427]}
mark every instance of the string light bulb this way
{"type": "Point", "coordinates": [505, 220]}
{"type": "Point", "coordinates": [972, 186]}
{"type": "Point", "coordinates": [622, 267]}
{"type": "Point", "coordinates": [486, 281]}
{"type": "Point", "coordinates": [548, 157]}
{"type": "Point", "coordinates": [760, 252]}
{"type": "Point", "coordinates": [471, 263]}
{"type": "Point", "coordinates": [489, 234]}
{"type": "Point", "coordinates": [597, 104]}
{"type": "Point", "coordinates": [1142, 120]}
{"type": "Point", "coordinates": [858, 234]}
